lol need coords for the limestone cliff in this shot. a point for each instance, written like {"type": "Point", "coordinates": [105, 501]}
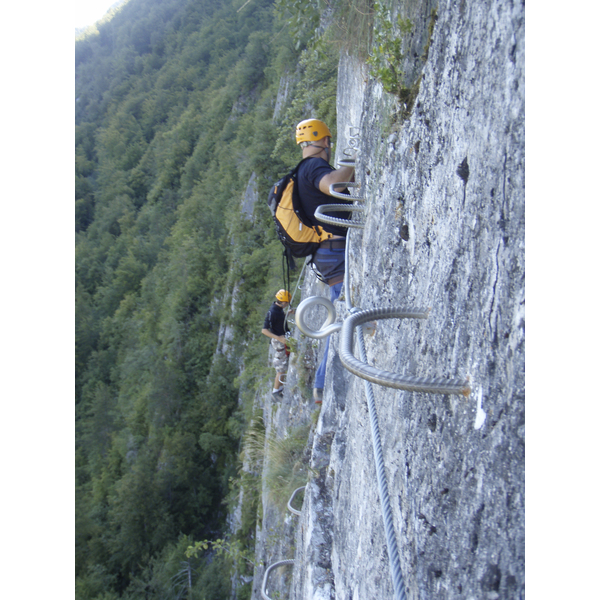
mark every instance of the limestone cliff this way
{"type": "Point", "coordinates": [444, 196]}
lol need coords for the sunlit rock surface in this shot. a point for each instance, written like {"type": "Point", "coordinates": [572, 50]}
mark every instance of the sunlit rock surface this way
{"type": "Point", "coordinates": [444, 230]}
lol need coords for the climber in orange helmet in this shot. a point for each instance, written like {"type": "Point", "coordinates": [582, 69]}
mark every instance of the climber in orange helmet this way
{"type": "Point", "coordinates": [314, 178]}
{"type": "Point", "coordinates": [275, 327]}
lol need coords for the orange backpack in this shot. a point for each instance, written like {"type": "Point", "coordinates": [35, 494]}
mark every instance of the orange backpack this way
{"type": "Point", "coordinates": [291, 222]}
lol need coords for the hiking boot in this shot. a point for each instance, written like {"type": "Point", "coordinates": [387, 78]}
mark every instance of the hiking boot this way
{"type": "Point", "coordinates": [278, 395]}
{"type": "Point", "coordinates": [318, 395]}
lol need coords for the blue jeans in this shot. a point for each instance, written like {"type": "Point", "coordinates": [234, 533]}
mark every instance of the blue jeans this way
{"type": "Point", "coordinates": [334, 293]}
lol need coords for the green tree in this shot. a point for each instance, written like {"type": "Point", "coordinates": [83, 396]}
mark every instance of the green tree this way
{"type": "Point", "coordinates": [174, 113]}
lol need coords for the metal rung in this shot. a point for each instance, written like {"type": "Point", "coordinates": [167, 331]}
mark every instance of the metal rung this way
{"type": "Point", "coordinates": [387, 378]}
{"type": "Point", "coordinates": [336, 220]}
{"type": "Point", "coordinates": [346, 162]}
{"type": "Point", "coordinates": [345, 184]}
{"type": "Point", "coordinates": [268, 572]}
{"type": "Point", "coordinates": [362, 369]}
{"type": "Point", "coordinates": [289, 504]}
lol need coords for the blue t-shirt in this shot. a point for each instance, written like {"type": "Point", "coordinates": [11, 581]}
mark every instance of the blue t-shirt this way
{"type": "Point", "coordinates": [310, 173]}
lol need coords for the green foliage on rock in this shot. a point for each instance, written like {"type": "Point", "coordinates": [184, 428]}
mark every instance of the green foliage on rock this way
{"type": "Point", "coordinates": [387, 54]}
{"type": "Point", "coordinates": [347, 24]}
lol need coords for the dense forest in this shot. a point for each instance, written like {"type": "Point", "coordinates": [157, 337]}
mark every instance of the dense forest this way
{"type": "Point", "coordinates": [176, 108]}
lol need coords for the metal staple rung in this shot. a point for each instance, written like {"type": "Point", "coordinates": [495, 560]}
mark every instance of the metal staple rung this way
{"type": "Point", "coordinates": [289, 504]}
{"type": "Point", "coordinates": [268, 572]}
{"type": "Point", "coordinates": [386, 378]}
{"type": "Point", "coordinates": [339, 208]}
{"type": "Point", "coordinates": [343, 185]}
{"type": "Point", "coordinates": [362, 369]}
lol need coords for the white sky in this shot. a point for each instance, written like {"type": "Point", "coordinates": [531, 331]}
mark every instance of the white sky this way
{"type": "Point", "coordinates": [88, 12]}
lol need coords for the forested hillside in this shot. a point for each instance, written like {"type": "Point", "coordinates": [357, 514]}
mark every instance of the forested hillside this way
{"type": "Point", "coordinates": [175, 110]}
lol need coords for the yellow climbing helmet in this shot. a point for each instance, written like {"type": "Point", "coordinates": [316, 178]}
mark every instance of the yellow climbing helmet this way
{"type": "Point", "coordinates": [283, 296]}
{"type": "Point", "coordinates": [311, 130]}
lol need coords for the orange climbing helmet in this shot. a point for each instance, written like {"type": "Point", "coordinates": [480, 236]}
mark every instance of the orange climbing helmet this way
{"type": "Point", "coordinates": [283, 296]}
{"type": "Point", "coordinates": [311, 130]}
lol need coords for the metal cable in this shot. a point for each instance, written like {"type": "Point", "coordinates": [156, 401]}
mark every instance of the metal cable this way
{"type": "Point", "coordinates": [346, 278]}
{"type": "Point", "coordinates": [384, 497]}
{"type": "Point", "coordinates": [307, 260]}
{"type": "Point", "coordinates": [328, 328]}
{"type": "Point", "coordinates": [263, 591]}
{"type": "Point", "coordinates": [286, 319]}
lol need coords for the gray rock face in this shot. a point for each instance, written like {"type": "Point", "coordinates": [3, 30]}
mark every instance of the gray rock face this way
{"type": "Point", "coordinates": [250, 197]}
{"type": "Point", "coordinates": [284, 89]}
{"type": "Point", "coordinates": [444, 229]}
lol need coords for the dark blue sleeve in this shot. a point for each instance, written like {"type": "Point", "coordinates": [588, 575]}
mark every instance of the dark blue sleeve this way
{"type": "Point", "coordinates": [315, 170]}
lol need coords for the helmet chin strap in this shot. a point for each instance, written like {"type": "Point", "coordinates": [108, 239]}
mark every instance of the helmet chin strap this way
{"type": "Point", "coordinates": [322, 148]}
